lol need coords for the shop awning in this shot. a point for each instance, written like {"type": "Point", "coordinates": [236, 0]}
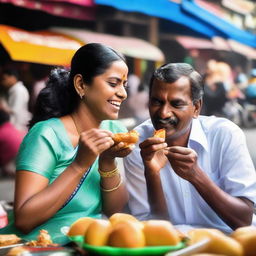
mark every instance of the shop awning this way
{"type": "Point", "coordinates": [225, 29]}
{"type": "Point", "coordinates": [190, 42]}
{"type": "Point", "coordinates": [44, 47]}
{"type": "Point", "coordinates": [245, 50]}
{"type": "Point", "coordinates": [165, 9]}
{"type": "Point", "coordinates": [75, 9]}
{"type": "Point", "coordinates": [129, 46]}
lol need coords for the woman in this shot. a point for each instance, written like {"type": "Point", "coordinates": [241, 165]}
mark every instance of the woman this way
{"type": "Point", "coordinates": [57, 178]}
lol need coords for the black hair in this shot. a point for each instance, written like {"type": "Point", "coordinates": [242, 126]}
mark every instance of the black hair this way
{"type": "Point", "coordinates": [4, 116]}
{"type": "Point", "coordinates": [10, 72]}
{"type": "Point", "coordinates": [59, 97]}
{"type": "Point", "coordinates": [171, 72]}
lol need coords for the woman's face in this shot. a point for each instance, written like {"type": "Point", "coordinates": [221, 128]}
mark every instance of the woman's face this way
{"type": "Point", "coordinates": [107, 91]}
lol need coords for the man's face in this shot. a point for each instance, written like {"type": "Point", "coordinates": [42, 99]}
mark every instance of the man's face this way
{"type": "Point", "coordinates": [171, 107]}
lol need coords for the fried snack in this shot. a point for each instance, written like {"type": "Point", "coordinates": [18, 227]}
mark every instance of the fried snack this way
{"type": "Point", "coordinates": [119, 217]}
{"type": "Point", "coordinates": [161, 133]}
{"type": "Point", "coordinates": [128, 138]}
{"type": "Point", "coordinates": [43, 239]}
{"type": "Point", "coordinates": [9, 239]}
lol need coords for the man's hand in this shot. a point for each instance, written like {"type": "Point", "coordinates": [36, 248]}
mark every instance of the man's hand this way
{"type": "Point", "coordinates": [152, 153]}
{"type": "Point", "coordinates": [183, 161]}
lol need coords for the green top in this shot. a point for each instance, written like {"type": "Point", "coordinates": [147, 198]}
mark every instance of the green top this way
{"type": "Point", "coordinates": [47, 150]}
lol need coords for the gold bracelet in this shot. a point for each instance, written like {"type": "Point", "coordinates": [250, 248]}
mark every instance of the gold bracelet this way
{"type": "Point", "coordinates": [114, 188]}
{"type": "Point", "coordinates": [109, 174]}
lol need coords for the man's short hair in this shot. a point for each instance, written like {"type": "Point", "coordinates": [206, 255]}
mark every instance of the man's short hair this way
{"type": "Point", "coordinates": [171, 72]}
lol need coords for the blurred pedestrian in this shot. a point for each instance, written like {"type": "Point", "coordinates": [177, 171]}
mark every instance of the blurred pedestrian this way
{"type": "Point", "coordinates": [17, 97]}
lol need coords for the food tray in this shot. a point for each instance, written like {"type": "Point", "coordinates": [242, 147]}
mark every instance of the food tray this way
{"type": "Point", "coordinates": [109, 250]}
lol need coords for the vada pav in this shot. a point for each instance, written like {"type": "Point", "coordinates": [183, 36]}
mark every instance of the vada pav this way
{"type": "Point", "coordinates": [160, 232]}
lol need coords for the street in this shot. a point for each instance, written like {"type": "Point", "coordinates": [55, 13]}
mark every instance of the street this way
{"type": "Point", "coordinates": [7, 185]}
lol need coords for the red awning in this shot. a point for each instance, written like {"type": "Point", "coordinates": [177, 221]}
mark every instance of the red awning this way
{"type": "Point", "coordinates": [190, 42]}
{"type": "Point", "coordinates": [70, 8]}
{"type": "Point", "coordinates": [129, 46]}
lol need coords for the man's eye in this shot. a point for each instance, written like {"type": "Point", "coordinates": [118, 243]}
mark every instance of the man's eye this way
{"type": "Point", "coordinates": [155, 102]}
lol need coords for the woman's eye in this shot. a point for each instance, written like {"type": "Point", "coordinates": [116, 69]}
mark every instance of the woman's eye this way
{"type": "Point", "coordinates": [112, 84]}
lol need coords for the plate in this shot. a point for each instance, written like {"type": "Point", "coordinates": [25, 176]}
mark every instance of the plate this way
{"type": "Point", "coordinates": [109, 250]}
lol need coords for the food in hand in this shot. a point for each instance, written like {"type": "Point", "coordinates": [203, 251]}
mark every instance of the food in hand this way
{"type": "Point", "coordinates": [9, 239]}
{"type": "Point", "coordinates": [128, 234]}
{"type": "Point", "coordinates": [161, 133]}
{"type": "Point", "coordinates": [246, 236]}
{"type": "Point", "coordinates": [160, 232]}
{"type": "Point", "coordinates": [128, 138]}
{"type": "Point", "coordinates": [80, 226]}
{"type": "Point", "coordinates": [97, 232]}
{"type": "Point", "coordinates": [219, 242]}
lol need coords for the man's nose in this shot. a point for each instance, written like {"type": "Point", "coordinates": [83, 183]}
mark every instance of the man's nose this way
{"type": "Point", "coordinates": [165, 112]}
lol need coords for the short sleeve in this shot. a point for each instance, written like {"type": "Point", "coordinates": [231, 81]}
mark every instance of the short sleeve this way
{"type": "Point", "coordinates": [38, 151]}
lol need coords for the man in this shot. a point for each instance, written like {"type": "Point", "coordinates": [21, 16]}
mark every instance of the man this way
{"type": "Point", "coordinates": [17, 99]}
{"type": "Point", "coordinates": [201, 175]}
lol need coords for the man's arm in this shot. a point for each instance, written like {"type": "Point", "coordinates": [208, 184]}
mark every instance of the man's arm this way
{"type": "Point", "coordinates": [234, 211]}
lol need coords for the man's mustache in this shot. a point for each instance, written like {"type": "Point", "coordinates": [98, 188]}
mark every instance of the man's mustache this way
{"type": "Point", "coordinates": [171, 120]}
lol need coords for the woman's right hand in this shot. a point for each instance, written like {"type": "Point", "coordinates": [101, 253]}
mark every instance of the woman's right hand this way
{"type": "Point", "coordinates": [91, 144]}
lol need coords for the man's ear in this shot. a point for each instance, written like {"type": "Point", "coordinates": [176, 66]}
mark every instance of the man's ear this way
{"type": "Point", "coordinates": [197, 108]}
{"type": "Point", "coordinates": [79, 85]}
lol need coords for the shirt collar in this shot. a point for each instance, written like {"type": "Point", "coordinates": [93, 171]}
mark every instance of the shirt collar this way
{"type": "Point", "coordinates": [197, 134]}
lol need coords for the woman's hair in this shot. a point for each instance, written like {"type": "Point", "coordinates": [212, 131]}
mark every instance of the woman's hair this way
{"type": "Point", "coordinates": [171, 72]}
{"type": "Point", "coordinates": [59, 97]}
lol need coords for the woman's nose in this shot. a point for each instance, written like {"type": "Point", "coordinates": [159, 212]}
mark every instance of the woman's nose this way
{"type": "Point", "coordinates": [121, 93]}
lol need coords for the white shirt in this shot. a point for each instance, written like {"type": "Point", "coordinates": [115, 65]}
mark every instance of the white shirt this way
{"type": "Point", "coordinates": [18, 98]}
{"type": "Point", "coordinates": [222, 154]}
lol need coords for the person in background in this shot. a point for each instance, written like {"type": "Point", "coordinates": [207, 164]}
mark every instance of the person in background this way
{"type": "Point", "coordinates": [10, 140]}
{"type": "Point", "coordinates": [66, 165]}
{"type": "Point", "coordinates": [201, 174]}
{"type": "Point", "coordinates": [17, 98]}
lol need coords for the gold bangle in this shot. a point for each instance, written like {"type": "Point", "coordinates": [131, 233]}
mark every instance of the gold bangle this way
{"type": "Point", "coordinates": [114, 188]}
{"type": "Point", "coordinates": [109, 174]}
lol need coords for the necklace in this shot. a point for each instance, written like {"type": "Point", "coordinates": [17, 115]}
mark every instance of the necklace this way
{"type": "Point", "coordinates": [75, 123]}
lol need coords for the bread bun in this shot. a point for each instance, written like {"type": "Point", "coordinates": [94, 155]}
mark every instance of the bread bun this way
{"type": "Point", "coordinates": [119, 217]}
{"type": "Point", "coordinates": [128, 138]}
{"type": "Point", "coordinates": [160, 232]}
{"type": "Point", "coordinates": [161, 133]}
{"type": "Point", "coordinates": [219, 243]}
{"type": "Point", "coordinates": [97, 232]}
{"type": "Point", "coordinates": [80, 226]}
{"type": "Point", "coordinates": [246, 236]}
{"type": "Point", "coordinates": [127, 234]}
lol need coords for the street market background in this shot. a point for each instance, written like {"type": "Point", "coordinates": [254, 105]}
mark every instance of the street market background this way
{"type": "Point", "coordinates": [41, 34]}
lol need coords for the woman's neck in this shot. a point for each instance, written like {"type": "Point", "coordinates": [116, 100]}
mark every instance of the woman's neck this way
{"type": "Point", "coordinates": [84, 120]}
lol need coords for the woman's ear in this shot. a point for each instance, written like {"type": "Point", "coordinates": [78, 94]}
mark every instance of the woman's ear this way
{"type": "Point", "coordinates": [198, 107]}
{"type": "Point", "coordinates": [79, 85]}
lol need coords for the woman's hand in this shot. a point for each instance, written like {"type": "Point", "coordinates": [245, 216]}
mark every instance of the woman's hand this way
{"type": "Point", "coordinates": [91, 144]}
